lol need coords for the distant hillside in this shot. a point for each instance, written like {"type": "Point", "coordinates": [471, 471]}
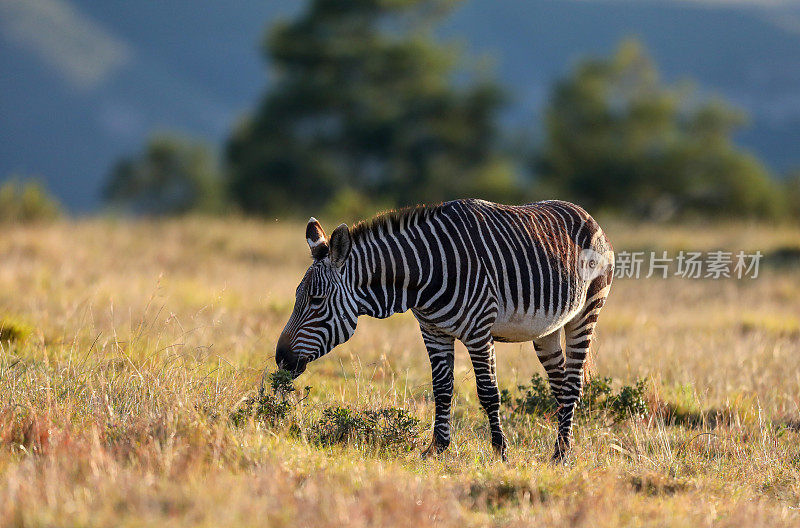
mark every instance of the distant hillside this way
{"type": "Point", "coordinates": [84, 82]}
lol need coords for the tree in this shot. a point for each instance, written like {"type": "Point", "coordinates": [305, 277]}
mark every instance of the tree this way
{"type": "Point", "coordinates": [616, 137]}
{"type": "Point", "coordinates": [364, 105]}
{"type": "Point", "coordinates": [172, 175]}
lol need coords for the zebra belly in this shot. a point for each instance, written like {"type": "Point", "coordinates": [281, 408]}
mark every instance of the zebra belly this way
{"type": "Point", "coordinates": [516, 327]}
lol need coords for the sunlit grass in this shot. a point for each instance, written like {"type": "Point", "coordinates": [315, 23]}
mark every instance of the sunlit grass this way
{"type": "Point", "coordinates": [142, 338]}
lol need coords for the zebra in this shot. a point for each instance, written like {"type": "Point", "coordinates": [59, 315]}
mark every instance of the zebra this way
{"type": "Point", "coordinates": [471, 270]}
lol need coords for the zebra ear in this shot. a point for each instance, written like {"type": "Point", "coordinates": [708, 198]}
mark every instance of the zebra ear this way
{"type": "Point", "coordinates": [341, 244]}
{"type": "Point", "coordinates": [315, 236]}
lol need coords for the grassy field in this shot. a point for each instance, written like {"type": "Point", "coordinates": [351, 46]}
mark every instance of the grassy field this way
{"type": "Point", "coordinates": [127, 346]}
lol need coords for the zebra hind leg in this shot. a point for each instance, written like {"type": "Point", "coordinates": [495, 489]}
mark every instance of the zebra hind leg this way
{"type": "Point", "coordinates": [548, 350]}
{"type": "Point", "coordinates": [579, 332]}
{"type": "Point", "coordinates": [481, 352]}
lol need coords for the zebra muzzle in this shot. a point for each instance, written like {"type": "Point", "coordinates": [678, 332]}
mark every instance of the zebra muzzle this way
{"type": "Point", "coordinates": [286, 359]}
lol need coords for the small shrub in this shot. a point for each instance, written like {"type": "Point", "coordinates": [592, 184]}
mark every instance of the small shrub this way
{"type": "Point", "coordinates": [386, 428]}
{"type": "Point", "coordinates": [537, 398]}
{"type": "Point", "coordinates": [629, 401]}
{"type": "Point", "coordinates": [338, 425]}
{"type": "Point", "coordinates": [382, 428]}
{"type": "Point", "coordinates": [596, 393]}
{"type": "Point", "coordinates": [270, 409]}
{"type": "Point", "coordinates": [598, 397]}
{"type": "Point", "coordinates": [14, 331]}
{"type": "Point", "coordinates": [281, 383]}
{"type": "Point", "coordinates": [27, 201]}
{"type": "Point", "coordinates": [266, 408]}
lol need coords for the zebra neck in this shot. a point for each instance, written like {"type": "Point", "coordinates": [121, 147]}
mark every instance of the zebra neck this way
{"type": "Point", "coordinates": [384, 274]}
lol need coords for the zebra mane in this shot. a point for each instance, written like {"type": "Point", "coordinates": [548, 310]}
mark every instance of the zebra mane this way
{"type": "Point", "coordinates": [393, 220]}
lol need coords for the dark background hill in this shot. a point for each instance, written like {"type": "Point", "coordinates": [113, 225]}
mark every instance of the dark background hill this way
{"type": "Point", "coordinates": [84, 82]}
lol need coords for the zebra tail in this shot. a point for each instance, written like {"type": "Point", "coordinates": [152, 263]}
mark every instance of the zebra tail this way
{"type": "Point", "coordinates": [601, 285]}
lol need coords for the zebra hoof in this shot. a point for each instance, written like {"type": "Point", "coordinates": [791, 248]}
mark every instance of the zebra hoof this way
{"type": "Point", "coordinates": [500, 445]}
{"type": "Point", "coordinates": [436, 448]}
{"type": "Point", "coordinates": [560, 455]}
{"type": "Point", "coordinates": [562, 448]}
{"type": "Point", "coordinates": [501, 449]}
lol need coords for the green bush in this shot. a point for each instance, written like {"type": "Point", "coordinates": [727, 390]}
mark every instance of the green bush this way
{"type": "Point", "coordinates": [14, 331]}
{"type": "Point", "coordinates": [385, 428]}
{"type": "Point", "coordinates": [537, 399]}
{"type": "Point", "coordinates": [266, 408]}
{"type": "Point", "coordinates": [27, 201]}
{"type": "Point", "coordinates": [269, 409]}
{"type": "Point", "coordinates": [381, 428]}
{"type": "Point", "coordinates": [281, 383]}
{"type": "Point", "coordinates": [598, 398]}
{"type": "Point", "coordinates": [629, 401]}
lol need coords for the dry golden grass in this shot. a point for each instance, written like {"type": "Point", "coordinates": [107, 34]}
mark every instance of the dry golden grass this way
{"type": "Point", "coordinates": [138, 339]}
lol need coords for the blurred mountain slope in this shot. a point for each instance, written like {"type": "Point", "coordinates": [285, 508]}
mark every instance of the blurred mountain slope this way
{"type": "Point", "coordinates": [84, 82]}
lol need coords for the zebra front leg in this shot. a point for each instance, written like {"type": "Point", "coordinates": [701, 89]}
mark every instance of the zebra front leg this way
{"type": "Point", "coordinates": [481, 352]}
{"type": "Point", "coordinates": [440, 351]}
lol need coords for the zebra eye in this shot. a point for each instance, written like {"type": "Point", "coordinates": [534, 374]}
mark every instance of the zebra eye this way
{"type": "Point", "coordinates": [315, 300]}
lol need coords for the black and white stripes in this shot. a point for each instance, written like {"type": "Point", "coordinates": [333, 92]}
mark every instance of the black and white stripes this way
{"type": "Point", "coordinates": [469, 270]}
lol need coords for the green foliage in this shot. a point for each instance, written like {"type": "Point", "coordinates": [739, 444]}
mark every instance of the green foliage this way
{"type": "Point", "coordinates": [26, 201]}
{"type": "Point", "coordinates": [281, 383]}
{"type": "Point", "coordinates": [617, 138]}
{"type": "Point", "coordinates": [172, 175]}
{"type": "Point", "coordinates": [386, 428]}
{"type": "Point", "coordinates": [269, 408]}
{"type": "Point", "coordinates": [629, 401]}
{"type": "Point", "coordinates": [596, 393]}
{"type": "Point", "coordinates": [14, 330]}
{"type": "Point", "coordinates": [537, 399]}
{"type": "Point", "coordinates": [365, 105]}
{"type": "Point", "coordinates": [598, 398]}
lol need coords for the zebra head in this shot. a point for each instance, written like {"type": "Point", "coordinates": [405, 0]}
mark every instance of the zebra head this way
{"type": "Point", "coordinates": [324, 312]}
